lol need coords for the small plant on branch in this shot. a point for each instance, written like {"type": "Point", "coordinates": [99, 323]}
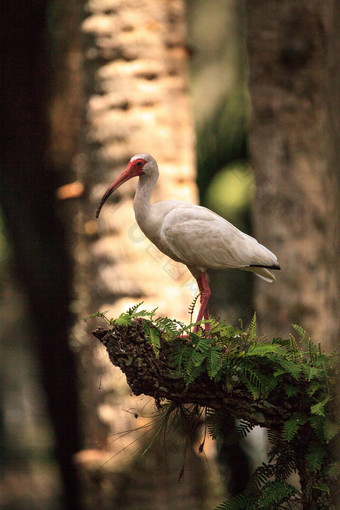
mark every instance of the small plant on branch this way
{"type": "Point", "coordinates": [286, 385]}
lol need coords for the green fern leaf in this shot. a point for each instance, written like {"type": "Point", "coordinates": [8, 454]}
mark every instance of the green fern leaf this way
{"type": "Point", "coordinates": [262, 474]}
{"type": "Point", "coordinates": [275, 493]}
{"type": "Point", "coordinates": [291, 390]}
{"type": "Point", "coordinates": [315, 456]}
{"type": "Point", "coordinates": [291, 426]}
{"type": "Point", "coordinates": [214, 361]}
{"type": "Point", "coordinates": [214, 422]}
{"type": "Point", "coordinates": [192, 373]}
{"type": "Point", "coordinates": [253, 382]}
{"type": "Point", "coordinates": [123, 320]}
{"type": "Point", "coordinates": [256, 382]}
{"type": "Point", "coordinates": [238, 502]}
{"type": "Point", "coordinates": [333, 470]}
{"type": "Point", "coordinates": [251, 331]}
{"type": "Point", "coordinates": [319, 407]}
{"type": "Point", "coordinates": [330, 429]}
{"type": "Point", "coordinates": [290, 367]}
{"type": "Point", "coordinates": [323, 487]}
{"type": "Point", "coordinates": [317, 424]}
{"type": "Point", "coordinates": [227, 331]}
{"type": "Point", "coordinates": [133, 309]}
{"type": "Point", "coordinates": [301, 332]}
{"type": "Point", "coordinates": [313, 388]}
{"type": "Point", "coordinates": [263, 350]}
{"type": "Point", "coordinates": [171, 327]}
{"type": "Point", "coordinates": [98, 314]}
{"type": "Point", "coordinates": [312, 372]}
{"type": "Point", "coordinates": [180, 357]}
{"type": "Point", "coordinates": [243, 428]}
{"type": "Point", "coordinates": [152, 337]}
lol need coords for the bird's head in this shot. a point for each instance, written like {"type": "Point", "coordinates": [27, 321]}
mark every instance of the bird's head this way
{"type": "Point", "coordinates": [139, 165]}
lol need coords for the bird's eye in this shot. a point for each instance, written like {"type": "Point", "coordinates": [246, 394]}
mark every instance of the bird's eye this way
{"type": "Point", "coordinates": [139, 163]}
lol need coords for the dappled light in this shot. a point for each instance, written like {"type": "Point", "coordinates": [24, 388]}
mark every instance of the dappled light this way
{"type": "Point", "coordinates": [111, 396]}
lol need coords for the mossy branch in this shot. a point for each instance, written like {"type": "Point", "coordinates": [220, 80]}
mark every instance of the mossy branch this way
{"type": "Point", "coordinates": [156, 375]}
{"type": "Point", "coordinates": [286, 385]}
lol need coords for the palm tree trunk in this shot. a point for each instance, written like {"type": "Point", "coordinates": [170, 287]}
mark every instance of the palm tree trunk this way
{"type": "Point", "coordinates": [136, 101]}
{"type": "Point", "coordinates": [293, 148]}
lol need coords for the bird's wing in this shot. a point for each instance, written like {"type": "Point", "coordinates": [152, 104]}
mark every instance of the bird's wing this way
{"type": "Point", "coordinates": [198, 237]}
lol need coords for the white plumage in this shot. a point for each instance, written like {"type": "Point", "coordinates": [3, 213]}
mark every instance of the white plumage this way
{"type": "Point", "coordinates": [192, 234]}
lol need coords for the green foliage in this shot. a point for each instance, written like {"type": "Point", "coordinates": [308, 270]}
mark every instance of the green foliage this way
{"type": "Point", "coordinates": [100, 315]}
{"type": "Point", "coordinates": [295, 371]}
{"type": "Point", "coordinates": [243, 428]}
{"type": "Point", "coordinates": [265, 497]}
{"type": "Point", "coordinates": [315, 456]}
{"type": "Point", "coordinates": [291, 426]}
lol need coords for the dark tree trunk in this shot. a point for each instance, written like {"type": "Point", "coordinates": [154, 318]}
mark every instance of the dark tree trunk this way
{"type": "Point", "coordinates": [27, 195]}
{"type": "Point", "coordinates": [137, 101]}
{"type": "Point", "coordinates": [293, 144]}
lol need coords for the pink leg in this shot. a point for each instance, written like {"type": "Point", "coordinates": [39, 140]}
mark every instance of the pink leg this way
{"type": "Point", "coordinates": [204, 289]}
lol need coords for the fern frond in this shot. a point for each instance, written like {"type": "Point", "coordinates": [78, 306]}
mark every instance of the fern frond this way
{"type": "Point", "coordinates": [238, 502]}
{"type": "Point", "coordinates": [214, 361]}
{"type": "Point", "coordinates": [275, 493]}
{"type": "Point", "coordinates": [133, 309]}
{"type": "Point", "coordinates": [253, 382]}
{"type": "Point", "coordinates": [257, 383]}
{"type": "Point", "coordinates": [101, 315]}
{"type": "Point", "coordinates": [263, 350]}
{"type": "Point", "coordinates": [192, 306]}
{"type": "Point", "coordinates": [323, 487]}
{"type": "Point", "coordinates": [312, 372]}
{"type": "Point", "coordinates": [251, 331]}
{"type": "Point", "coordinates": [330, 429]}
{"type": "Point", "coordinates": [180, 357]}
{"type": "Point", "coordinates": [303, 335]}
{"type": "Point", "coordinates": [243, 428]}
{"type": "Point", "coordinates": [319, 407]}
{"type": "Point", "coordinates": [291, 426]}
{"type": "Point", "coordinates": [123, 320]}
{"type": "Point", "coordinates": [315, 456]}
{"type": "Point", "coordinates": [291, 390]}
{"type": "Point", "coordinates": [152, 336]}
{"type": "Point", "coordinates": [317, 422]}
{"type": "Point", "coordinates": [262, 474]}
{"type": "Point", "coordinates": [214, 422]}
{"type": "Point", "coordinates": [172, 327]}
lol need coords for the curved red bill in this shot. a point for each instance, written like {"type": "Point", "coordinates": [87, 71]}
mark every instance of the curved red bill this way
{"type": "Point", "coordinates": [124, 176]}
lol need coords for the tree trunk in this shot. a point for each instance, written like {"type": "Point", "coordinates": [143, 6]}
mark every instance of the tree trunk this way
{"type": "Point", "coordinates": [27, 194]}
{"type": "Point", "coordinates": [293, 148]}
{"type": "Point", "coordinates": [137, 101]}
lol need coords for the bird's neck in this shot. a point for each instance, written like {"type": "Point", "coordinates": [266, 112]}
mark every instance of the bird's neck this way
{"type": "Point", "coordinates": [144, 189]}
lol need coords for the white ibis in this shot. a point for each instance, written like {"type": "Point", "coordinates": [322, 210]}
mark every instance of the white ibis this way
{"type": "Point", "coordinates": [191, 234]}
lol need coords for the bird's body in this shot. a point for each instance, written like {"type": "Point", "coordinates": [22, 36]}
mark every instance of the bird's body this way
{"type": "Point", "coordinates": [211, 241]}
{"type": "Point", "coordinates": [191, 234]}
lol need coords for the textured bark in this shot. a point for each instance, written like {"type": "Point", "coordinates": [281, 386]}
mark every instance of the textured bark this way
{"type": "Point", "coordinates": [293, 142]}
{"type": "Point", "coordinates": [136, 92]}
{"type": "Point", "coordinates": [155, 376]}
{"type": "Point", "coordinates": [137, 102]}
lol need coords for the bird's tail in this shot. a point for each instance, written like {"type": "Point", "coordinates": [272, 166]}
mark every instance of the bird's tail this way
{"type": "Point", "coordinates": [262, 272]}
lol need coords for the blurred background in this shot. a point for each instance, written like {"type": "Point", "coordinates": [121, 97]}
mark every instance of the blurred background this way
{"type": "Point", "coordinates": [239, 102]}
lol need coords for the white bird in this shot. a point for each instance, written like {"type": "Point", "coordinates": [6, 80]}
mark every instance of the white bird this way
{"type": "Point", "coordinates": [191, 234]}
